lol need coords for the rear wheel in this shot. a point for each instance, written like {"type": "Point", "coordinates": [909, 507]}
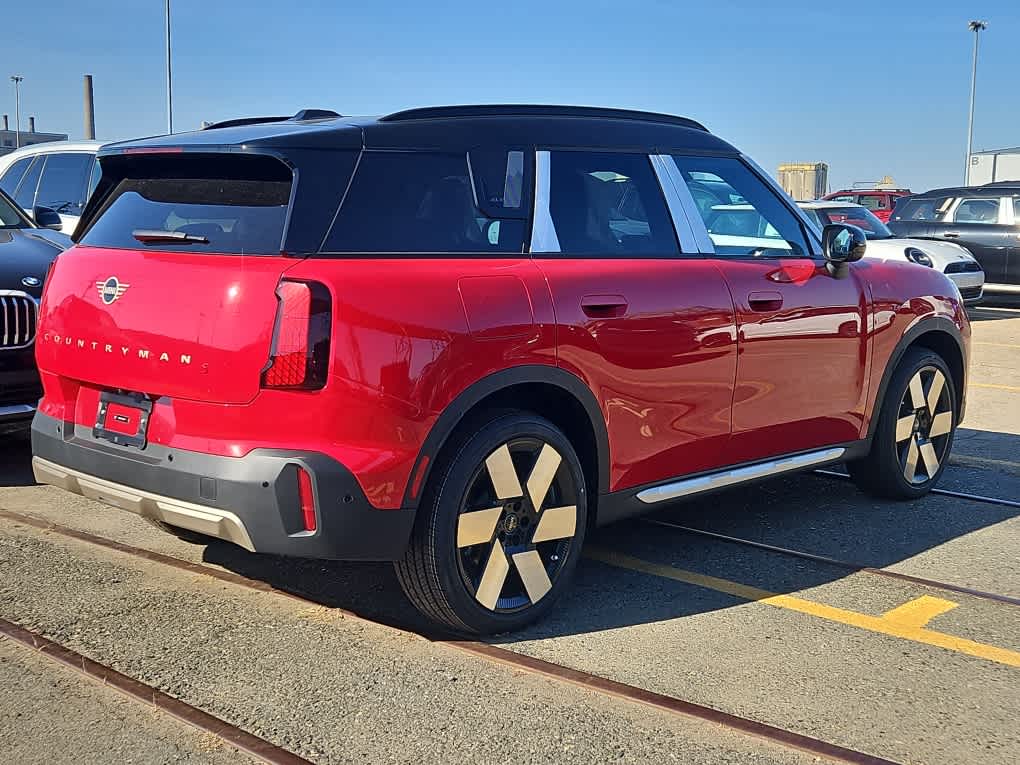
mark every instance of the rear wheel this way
{"type": "Point", "coordinates": [915, 430]}
{"type": "Point", "coordinates": [500, 526]}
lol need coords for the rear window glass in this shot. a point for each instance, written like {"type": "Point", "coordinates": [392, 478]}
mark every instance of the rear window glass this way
{"type": "Point", "coordinates": [406, 202]}
{"type": "Point", "coordinates": [242, 215]}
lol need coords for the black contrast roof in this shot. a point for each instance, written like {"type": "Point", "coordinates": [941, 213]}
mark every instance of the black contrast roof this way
{"type": "Point", "coordinates": [999, 187]}
{"type": "Point", "coordinates": [446, 127]}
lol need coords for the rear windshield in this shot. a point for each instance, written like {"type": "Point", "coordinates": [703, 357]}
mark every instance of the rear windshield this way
{"type": "Point", "coordinates": [182, 210]}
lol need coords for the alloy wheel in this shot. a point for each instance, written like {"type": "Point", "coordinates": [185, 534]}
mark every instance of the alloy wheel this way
{"type": "Point", "coordinates": [517, 524]}
{"type": "Point", "coordinates": [924, 425]}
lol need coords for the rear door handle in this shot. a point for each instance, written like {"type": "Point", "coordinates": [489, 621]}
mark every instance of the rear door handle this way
{"type": "Point", "coordinates": [952, 235]}
{"type": "Point", "coordinates": [604, 306]}
{"type": "Point", "coordinates": [765, 301]}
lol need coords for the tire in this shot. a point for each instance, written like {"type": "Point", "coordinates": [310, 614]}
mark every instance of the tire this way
{"type": "Point", "coordinates": [500, 526]}
{"type": "Point", "coordinates": [915, 430]}
{"type": "Point", "coordinates": [185, 535]}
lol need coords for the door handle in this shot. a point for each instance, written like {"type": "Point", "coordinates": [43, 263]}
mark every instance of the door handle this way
{"type": "Point", "coordinates": [604, 306]}
{"type": "Point", "coordinates": [952, 235]}
{"type": "Point", "coordinates": [765, 301]}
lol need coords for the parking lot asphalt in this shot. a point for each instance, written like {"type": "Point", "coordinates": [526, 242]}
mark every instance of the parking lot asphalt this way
{"type": "Point", "coordinates": [906, 671]}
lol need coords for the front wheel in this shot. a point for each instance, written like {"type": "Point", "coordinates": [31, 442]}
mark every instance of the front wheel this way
{"type": "Point", "coordinates": [915, 430]}
{"type": "Point", "coordinates": [499, 530]}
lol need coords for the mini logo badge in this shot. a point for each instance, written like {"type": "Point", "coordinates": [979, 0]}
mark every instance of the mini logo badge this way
{"type": "Point", "coordinates": [31, 281]}
{"type": "Point", "coordinates": [111, 289]}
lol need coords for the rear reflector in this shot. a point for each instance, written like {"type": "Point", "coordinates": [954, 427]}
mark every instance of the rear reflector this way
{"type": "Point", "coordinates": [300, 354]}
{"type": "Point", "coordinates": [307, 499]}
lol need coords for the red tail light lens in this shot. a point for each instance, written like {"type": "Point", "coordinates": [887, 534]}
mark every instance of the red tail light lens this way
{"type": "Point", "coordinates": [307, 499]}
{"type": "Point", "coordinates": [300, 353]}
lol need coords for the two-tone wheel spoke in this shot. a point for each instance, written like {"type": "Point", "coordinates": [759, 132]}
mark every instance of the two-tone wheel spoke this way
{"type": "Point", "coordinates": [503, 474]}
{"type": "Point", "coordinates": [905, 427]}
{"type": "Point", "coordinates": [941, 424]}
{"type": "Point", "coordinates": [916, 392]}
{"type": "Point", "coordinates": [910, 462]}
{"type": "Point", "coordinates": [938, 382]}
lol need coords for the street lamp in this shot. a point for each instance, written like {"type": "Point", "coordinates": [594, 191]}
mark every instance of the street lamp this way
{"type": "Point", "coordinates": [169, 83]}
{"type": "Point", "coordinates": [976, 27]}
{"type": "Point", "coordinates": [16, 79]}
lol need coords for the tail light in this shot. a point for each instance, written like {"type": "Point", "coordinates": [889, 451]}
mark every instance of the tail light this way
{"type": "Point", "coordinates": [299, 358]}
{"type": "Point", "coordinates": [307, 498]}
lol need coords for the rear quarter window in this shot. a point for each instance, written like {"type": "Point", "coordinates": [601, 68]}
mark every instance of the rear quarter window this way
{"type": "Point", "coordinates": [427, 202]}
{"type": "Point", "coordinates": [926, 209]}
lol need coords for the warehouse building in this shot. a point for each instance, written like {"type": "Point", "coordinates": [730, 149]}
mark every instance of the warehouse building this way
{"type": "Point", "coordinates": [804, 180]}
{"type": "Point", "coordinates": [9, 138]}
{"type": "Point", "coordinates": [993, 166]}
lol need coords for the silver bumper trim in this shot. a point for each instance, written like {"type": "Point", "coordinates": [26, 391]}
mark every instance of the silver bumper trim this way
{"type": "Point", "coordinates": [211, 521]}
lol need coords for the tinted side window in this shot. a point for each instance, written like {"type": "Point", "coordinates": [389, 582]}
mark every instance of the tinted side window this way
{"type": "Point", "coordinates": [403, 202]}
{"type": "Point", "coordinates": [14, 173]}
{"type": "Point", "coordinates": [872, 201]}
{"type": "Point", "coordinates": [930, 208]}
{"type": "Point", "coordinates": [978, 211]}
{"type": "Point", "coordinates": [742, 215]}
{"type": "Point", "coordinates": [608, 204]}
{"type": "Point", "coordinates": [64, 178]}
{"type": "Point", "coordinates": [25, 196]}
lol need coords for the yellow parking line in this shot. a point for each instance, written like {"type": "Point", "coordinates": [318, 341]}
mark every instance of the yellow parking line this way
{"type": "Point", "coordinates": [996, 345]}
{"type": "Point", "coordinates": [919, 611]}
{"type": "Point", "coordinates": [971, 460]}
{"type": "Point", "coordinates": [995, 387]}
{"type": "Point", "coordinates": [880, 624]}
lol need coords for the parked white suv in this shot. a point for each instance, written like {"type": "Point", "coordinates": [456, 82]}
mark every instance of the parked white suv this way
{"type": "Point", "coordinates": [59, 175]}
{"type": "Point", "coordinates": [954, 261]}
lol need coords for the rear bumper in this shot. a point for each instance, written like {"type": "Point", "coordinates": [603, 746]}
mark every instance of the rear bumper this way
{"type": "Point", "coordinates": [251, 501]}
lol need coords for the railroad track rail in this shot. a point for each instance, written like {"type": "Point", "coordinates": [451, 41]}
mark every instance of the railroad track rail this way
{"type": "Point", "coordinates": [849, 566]}
{"type": "Point", "coordinates": [1001, 502]}
{"type": "Point", "coordinates": [557, 672]}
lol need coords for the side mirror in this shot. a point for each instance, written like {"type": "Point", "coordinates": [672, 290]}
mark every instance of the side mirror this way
{"type": "Point", "coordinates": [47, 218]}
{"type": "Point", "coordinates": [842, 244]}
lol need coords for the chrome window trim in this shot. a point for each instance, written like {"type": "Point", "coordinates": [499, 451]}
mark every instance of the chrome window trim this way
{"type": "Point", "coordinates": [661, 164]}
{"type": "Point", "coordinates": [812, 234]}
{"type": "Point", "coordinates": [543, 231]}
{"type": "Point", "coordinates": [702, 241]}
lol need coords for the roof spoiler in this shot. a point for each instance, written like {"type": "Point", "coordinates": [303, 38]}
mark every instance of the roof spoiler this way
{"type": "Point", "coordinates": [302, 116]}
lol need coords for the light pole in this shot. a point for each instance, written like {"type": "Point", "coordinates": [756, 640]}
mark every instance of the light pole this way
{"type": "Point", "coordinates": [976, 27]}
{"type": "Point", "coordinates": [16, 79]}
{"type": "Point", "coordinates": [169, 82]}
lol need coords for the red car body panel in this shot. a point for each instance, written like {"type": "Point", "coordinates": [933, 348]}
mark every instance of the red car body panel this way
{"type": "Point", "coordinates": [689, 373]}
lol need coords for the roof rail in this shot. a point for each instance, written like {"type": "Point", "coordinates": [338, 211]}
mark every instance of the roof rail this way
{"type": "Point", "coordinates": [303, 115]}
{"type": "Point", "coordinates": [535, 110]}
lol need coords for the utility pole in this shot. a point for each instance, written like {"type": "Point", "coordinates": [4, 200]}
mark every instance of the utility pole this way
{"type": "Point", "coordinates": [16, 79]}
{"type": "Point", "coordinates": [88, 109]}
{"type": "Point", "coordinates": [976, 27]}
{"type": "Point", "coordinates": [169, 81]}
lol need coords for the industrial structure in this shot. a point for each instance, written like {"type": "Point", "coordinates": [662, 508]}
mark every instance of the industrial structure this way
{"type": "Point", "coordinates": [9, 139]}
{"type": "Point", "coordinates": [993, 166]}
{"type": "Point", "coordinates": [804, 181]}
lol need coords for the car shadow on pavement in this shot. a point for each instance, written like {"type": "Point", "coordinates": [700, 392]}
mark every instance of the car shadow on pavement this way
{"type": "Point", "coordinates": [809, 512]}
{"type": "Point", "coordinates": [15, 461]}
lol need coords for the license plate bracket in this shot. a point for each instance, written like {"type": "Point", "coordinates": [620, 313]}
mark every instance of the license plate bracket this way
{"type": "Point", "coordinates": [123, 419]}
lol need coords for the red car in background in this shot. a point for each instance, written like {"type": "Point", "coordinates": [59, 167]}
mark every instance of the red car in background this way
{"type": "Point", "coordinates": [880, 201]}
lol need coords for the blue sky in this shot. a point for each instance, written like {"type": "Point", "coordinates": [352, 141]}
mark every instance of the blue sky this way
{"type": "Point", "coordinates": [871, 88]}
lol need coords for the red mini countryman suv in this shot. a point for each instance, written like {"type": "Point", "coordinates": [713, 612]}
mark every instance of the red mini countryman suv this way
{"type": "Point", "coordinates": [457, 338]}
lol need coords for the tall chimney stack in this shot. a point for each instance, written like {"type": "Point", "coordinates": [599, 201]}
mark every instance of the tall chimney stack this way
{"type": "Point", "coordinates": [31, 124]}
{"type": "Point", "coordinates": [90, 112]}
{"type": "Point", "coordinates": [7, 125]}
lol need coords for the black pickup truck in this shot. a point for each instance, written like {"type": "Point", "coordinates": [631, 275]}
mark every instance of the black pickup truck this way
{"type": "Point", "coordinates": [984, 219]}
{"type": "Point", "coordinates": [27, 248]}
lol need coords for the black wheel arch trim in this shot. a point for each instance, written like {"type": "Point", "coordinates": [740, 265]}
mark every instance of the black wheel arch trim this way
{"type": "Point", "coordinates": [922, 327]}
{"type": "Point", "coordinates": [474, 394]}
